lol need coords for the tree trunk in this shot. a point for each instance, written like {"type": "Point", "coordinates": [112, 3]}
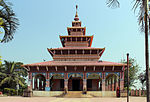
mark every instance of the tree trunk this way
{"type": "Point", "coordinates": [149, 87]}
{"type": "Point", "coordinates": [146, 49]}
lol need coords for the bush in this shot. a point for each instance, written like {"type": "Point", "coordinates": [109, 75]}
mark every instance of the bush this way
{"type": "Point", "coordinates": [10, 92]}
{"type": "Point", "coordinates": [20, 92]}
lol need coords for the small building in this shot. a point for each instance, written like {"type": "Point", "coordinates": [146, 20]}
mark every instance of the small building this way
{"type": "Point", "coordinates": [76, 66]}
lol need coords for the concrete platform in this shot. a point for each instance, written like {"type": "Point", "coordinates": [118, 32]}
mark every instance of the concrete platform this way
{"type": "Point", "coordinates": [72, 94]}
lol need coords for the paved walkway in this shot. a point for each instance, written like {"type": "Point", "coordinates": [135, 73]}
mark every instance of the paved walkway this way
{"type": "Point", "coordinates": [55, 99]}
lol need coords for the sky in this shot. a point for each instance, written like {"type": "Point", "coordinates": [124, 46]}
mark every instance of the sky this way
{"type": "Point", "coordinates": [42, 21]}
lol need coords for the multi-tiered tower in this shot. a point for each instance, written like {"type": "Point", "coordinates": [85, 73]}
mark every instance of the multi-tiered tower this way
{"type": "Point", "coordinates": [76, 46]}
{"type": "Point", "coordinates": [76, 66]}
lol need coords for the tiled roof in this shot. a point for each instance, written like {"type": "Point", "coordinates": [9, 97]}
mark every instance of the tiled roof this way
{"type": "Point", "coordinates": [76, 63]}
{"type": "Point", "coordinates": [76, 48]}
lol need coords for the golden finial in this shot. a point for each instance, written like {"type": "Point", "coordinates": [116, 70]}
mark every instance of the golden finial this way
{"type": "Point", "coordinates": [76, 16]}
{"type": "Point", "coordinates": [76, 11]}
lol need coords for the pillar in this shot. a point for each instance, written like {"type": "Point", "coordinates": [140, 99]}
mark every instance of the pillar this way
{"type": "Point", "coordinates": [33, 84]}
{"type": "Point", "coordinates": [65, 82]}
{"type": "Point", "coordinates": [84, 82]}
{"type": "Point", "coordinates": [113, 83]}
{"type": "Point", "coordinates": [121, 84]}
{"type": "Point", "coordinates": [121, 81]}
{"type": "Point", "coordinates": [116, 83]}
{"type": "Point", "coordinates": [47, 88]}
{"type": "Point", "coordinates": [110, 84]}
{"type": "Point", "coordinates": [103, 81]}
{"type": "Point", "coordinates": [30, 80]}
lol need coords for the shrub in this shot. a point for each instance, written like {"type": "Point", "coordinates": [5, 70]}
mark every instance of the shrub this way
{"type": "Point", "coordinates": [10, 92]}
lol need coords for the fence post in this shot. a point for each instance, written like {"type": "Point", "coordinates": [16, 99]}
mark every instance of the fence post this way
{"type": "Point", "coordinates": [136, 92]}
{"type": "Point", "coordinates": [139, 92]}
{"type": "Point", "coordinates": [142, 92]}
{"type": "Point", "coordinates": [132, 92]}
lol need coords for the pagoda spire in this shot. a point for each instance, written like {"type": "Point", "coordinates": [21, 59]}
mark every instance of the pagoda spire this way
{"type": "Point", "coordinates": [76, 16]}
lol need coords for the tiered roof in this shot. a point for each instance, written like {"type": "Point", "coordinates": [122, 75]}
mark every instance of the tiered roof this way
{"type": "Point", "coordinates": [76, 43]}
{"type": "Point", "coordinates": [76, 50]}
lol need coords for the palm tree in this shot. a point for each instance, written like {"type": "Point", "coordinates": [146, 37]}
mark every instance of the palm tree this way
{"type": "Point", "coordinates": [143, 18]}
{"type": "Point", "coordinates": [8, 21]}
{"type": "Point", "coordinates": [12, 73]}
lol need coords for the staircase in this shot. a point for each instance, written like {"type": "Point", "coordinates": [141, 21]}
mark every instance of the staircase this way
{"type": "Point", "coordinates": [76, 94]}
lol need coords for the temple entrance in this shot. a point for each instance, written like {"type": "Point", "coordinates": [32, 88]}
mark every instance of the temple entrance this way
{"type": "Point", "coordinates": [76, 84]}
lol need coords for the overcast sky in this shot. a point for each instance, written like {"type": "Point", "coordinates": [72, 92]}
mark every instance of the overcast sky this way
{"type": "Point", "coordinates": [42, 21]}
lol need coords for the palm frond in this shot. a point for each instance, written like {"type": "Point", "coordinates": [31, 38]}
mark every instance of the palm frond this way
{"type": "Point", "coordinates": [113, 3]}
{"type": "Point", "coordinates": [5, 80]}
{"type": "Point", "coordinates": [12, 67]}
{"type": "Point", "coordinates": [19, 82]}
{"type": "Point", "coordinates": [10, 21]}
{"type": "Point", "coordinates": [3, 74]}
{"type": "Point", "coordinates": [140, 5]}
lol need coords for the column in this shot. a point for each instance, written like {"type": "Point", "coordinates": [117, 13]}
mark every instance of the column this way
{"type": "Point", "coordinates": [33, 84]}
{"type": "Point", "coordinates": [103, 81]}
{"type": "Point", "coordinates": [113, 83]}
{"type": "Point", "coordinates": [47, 88]}
{"type": "Point", "coordinates": [65, 82]}
{"type": "Point", "coordinates": [30, 80]}
{"type": "Point", "coordinates": [121, 81]}
{"type": "Point", "coordinates": [121, 84]}
{"type": "Point", "coordinates": [84, 82]}
{"type": "Point", "coordinates": [117, 82]}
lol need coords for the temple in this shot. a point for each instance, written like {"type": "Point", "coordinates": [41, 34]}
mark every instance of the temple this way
{"type": "Point", "coordinates": [76, 66]}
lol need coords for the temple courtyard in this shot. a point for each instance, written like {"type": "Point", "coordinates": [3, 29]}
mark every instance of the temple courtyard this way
{"type": "Point", "coordinates": [56, 99]}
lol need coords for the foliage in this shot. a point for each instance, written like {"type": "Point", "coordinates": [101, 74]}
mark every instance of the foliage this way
{"type": "Point", "coordinates": [10, 92]}
{"type": "Point", "coordinates": [0, 60]}
{"type": "Point", "coordinates": [138, 5]}
{"type": "Point", "coordinates": [12, 73]}
{"type": "Point", "coordinates": [133, 72]}
{"type": "Point", "coordinates": [8, 20]}
{"type": "Point", "coordinates": [142, 78]}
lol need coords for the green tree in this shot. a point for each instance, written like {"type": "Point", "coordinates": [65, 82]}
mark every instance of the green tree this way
{"type": "Point", "coordinates": [8, 21]}
{"type": "Point", "coordinates": [142, 79]}
{"type": "Point", "coordinates": [133, 72]}
{"type": "Point", "coordinates": [12, 73]}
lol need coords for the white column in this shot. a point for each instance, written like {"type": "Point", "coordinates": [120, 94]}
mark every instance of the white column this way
{"type": "Point", "coordinates": [38, 81]}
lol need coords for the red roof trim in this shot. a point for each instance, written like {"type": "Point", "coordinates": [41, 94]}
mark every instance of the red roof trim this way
{"type": "Point", "coordinates": [76, 63]}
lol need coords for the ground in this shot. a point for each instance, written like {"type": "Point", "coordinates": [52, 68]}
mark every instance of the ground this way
{"type": "Point", "coordinates": [56, 99]}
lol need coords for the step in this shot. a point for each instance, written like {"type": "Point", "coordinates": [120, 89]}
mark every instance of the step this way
{"type": "Point", "coordinates": [76, 94]}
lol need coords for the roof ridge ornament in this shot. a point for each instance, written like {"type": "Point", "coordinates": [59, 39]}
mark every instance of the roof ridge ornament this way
{"type": "Point", "coordinates": [76, 16]}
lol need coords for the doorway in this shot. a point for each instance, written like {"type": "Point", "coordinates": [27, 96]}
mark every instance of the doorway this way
{"type": "Point", "coordinates": [76, 84]}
